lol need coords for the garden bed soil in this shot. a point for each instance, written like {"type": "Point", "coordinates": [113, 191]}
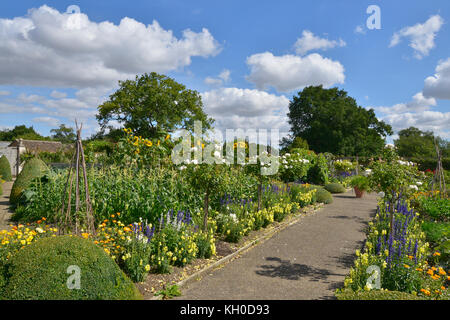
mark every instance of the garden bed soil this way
{"type": "Point", "coordinates": [157, 282]}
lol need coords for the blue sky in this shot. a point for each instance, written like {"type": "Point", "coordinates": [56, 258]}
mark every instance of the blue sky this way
{"type": "Point", "coordinates": [246, 58]}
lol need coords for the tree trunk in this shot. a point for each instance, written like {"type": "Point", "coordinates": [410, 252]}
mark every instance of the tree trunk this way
{"type": "Point", "coordinates": [205, 212]}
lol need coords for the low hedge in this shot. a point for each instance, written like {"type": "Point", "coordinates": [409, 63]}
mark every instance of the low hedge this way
{"type": "Point", "coordinates": [33, 168]}
{"type": "Point", "coordinates": [321, 195]}
{"type": "Point", "coordinates": [376, 295]}
{"type": "Point", "coordinates": [40, 272]}
{"type": "Point", "coordinates": [5, 169]}
{"type": "Point", "coordinates": [335, 188]}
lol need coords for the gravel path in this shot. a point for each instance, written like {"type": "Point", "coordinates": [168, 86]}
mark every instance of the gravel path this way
{"type": "Point", "coordinates": [308, 260]}
{"type": "Point", "coordinates": [5, 213]}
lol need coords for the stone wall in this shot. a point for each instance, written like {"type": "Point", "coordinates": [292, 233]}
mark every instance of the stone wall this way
{"type": "Point", "coordinates": [11, 155]}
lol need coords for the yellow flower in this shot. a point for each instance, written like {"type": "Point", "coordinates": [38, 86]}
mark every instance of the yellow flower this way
{"type": "Point", "coordinates": [85, 235]}
{"type": "Point", "coordinates": [147, 268]}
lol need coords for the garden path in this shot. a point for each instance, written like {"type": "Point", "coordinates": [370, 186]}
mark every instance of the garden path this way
{"type": "Point", "coordinates": [5, 213]}
{"type": "Point", "coordinates": [307, 260]}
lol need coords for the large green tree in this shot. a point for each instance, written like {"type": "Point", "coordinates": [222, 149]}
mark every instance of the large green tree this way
{"type": "Point", "coordinates": [331, 121]}
{"type": "Point", "coordinates": [151, 104]}
{"type": "Point", "coordinates": [64, 134]}
{"type": "Point", "coordinates": [23, 132]}
{"type": "Point", "coordinates": [412, 142]}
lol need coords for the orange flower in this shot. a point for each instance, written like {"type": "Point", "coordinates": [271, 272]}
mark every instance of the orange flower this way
{"type": "Point", "coordinates": [436, 254]}
{"type": "Point", "coordinates": [406, 266]}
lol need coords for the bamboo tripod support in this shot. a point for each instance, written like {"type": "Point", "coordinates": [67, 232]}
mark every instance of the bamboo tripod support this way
{"type": "Point", "coordinates": [439, 174]}
{"type": "Point", "coordinates": [78, 163]}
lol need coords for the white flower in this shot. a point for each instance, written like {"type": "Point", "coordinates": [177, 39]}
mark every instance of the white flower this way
{"type": "Point", "coordinates": [418, 183]}
{"type": "Point", "coordinates": [389, 145]}
{"type": "Point", "coordinates": [217, 154]}
{"type": "Point", "coordinates": [194, 149]}
{"type": "Point", "coordinates": [39, 230]}
{"type": "Point", "coordinates": [182, 167]}
{"type": "Point", "coordinates": [413, 186]}
{"type": "Point", "coordinates": [195, 161]}
{"type": "Point", "coordinates": [287, 154]}
{"type": "Point", "coordinates": [233, 216]}
{"type": "Point", "coordinates": [187, 161]}
{"type": "Point", "coordinates": [367, 172]}
{"type": "Point", "coordinates": [381, 194]}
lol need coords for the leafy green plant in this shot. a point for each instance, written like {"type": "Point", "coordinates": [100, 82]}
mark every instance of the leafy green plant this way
{"type": "Point", "coordinates": [318, 172]}
{"type": "Point", "coordinates": [169, 292]}
{"type": "Point", "coordinates": [360, 182]}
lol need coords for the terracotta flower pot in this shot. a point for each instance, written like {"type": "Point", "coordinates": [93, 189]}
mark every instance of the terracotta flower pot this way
{"type": "Point", "coordinates": [359, 193]}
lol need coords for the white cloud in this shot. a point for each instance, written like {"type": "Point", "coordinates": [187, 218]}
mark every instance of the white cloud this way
{"type": "Point", "coordinates": [235, 108]}
{"type": "Point", "coordinates": [438, 86]}
{"type": "Point", "coordinates": [4, 93]}
{"type": "Point", "coordinates": [288, 72]}
{"type": "Point", "coordinates": [52, 122]}
{"type": "Point", "coordinates": [428, 120]}
{"type": "Point", "coordinates": [419, 103]}
{"type": "Point", "coordinates": [309, 42]}
{"type": "Point", "coordinates": [58, 94]}
{"type": "Point", "coordinates": [421, 36]}
{"type": "Point", "coordinates": [360, 29]}
{"type": "Point", "coordinates": [49, 48]}
{"type": "Point", "coordinates": [222, 78]}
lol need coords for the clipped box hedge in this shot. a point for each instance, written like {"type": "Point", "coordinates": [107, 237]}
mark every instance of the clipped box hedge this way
{"type": "Point", "coordinates": [41, 271]}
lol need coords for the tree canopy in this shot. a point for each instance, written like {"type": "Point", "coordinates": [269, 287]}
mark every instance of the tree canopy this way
{"type": "Point", "coordinates": [331, 121]}
{"type": "Point", "coordinates": [20, 132]}
{"type": "Point", "coordinates": [412, 142]}
{"type": "Point", "coordinates": [64, 134]}
{"type": "Point", "coordinates": [151, 104]}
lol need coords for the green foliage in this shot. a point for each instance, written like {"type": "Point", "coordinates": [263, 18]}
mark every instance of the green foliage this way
{"type": "Point", "coordinates": [355, 130]}
{"type": "Point", "coordinates": [33, 169]}
{"type": "Point", "coordinates": [1, 188]}
{"type": "Point", "coordinates": [391, 175]}
{"type": "Point", "coordinates": [436, 231]}
{"type": "Point", "coordinates": [360, 182]}
{"type": "Point", "coordinates": [64, 134]}
{"type": "Point", "coordinates": [5, 169]}
{"type": "Point", "coordinates": [39, 272]}
{"type": "Point", "coordinates": [21, 132]}
{"type": "Point", "coordinates": [413, 142]}
{"type": "Point", "coordinates": [169, 292]}
{"type": "Point", "coordinates": [435, 208]}
{"type": "Point", "coordinates": [136, 262]}
{"type": "Point", "coordinates": [376, 295]}
{"type": "Point", "coordinates": [151, 103]}
{"type": "Point", "coordinates": [318, 172]}
{"type": "Point", "coordinates": [323, 196]}
{"type": "Point", "coordinates": [335, 188]}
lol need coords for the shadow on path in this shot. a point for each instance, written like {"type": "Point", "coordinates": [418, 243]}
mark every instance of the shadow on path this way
{"type": "Point", "coordinates": [292, 271]}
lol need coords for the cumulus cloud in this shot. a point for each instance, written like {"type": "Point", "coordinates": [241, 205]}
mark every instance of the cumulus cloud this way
{"type": "Point", "coordinates": [222, 78]}
{"type": "Point", "coordinates": [309, 42]}
{"type": "Point", "coordinates": [438, 85]}
{"type": "Point", "coordinates": [288, 72]}
{"type": "Point", "coordinates": [53, 122]}
{"type": "Point", "coordinates": [49, 48]}
{"type": "Point", "coordinates": [418, 103]}
{"type": "Point", "coordinates": [421, 36]}
{"type": "Point", "coordinates": [235, 108]}
{"type": "Point", "coordinates": [417, 113]}
{"type": "Point", "coordinates": [428, 120]}
{"type": "Point", "coordinates": [58, 94]}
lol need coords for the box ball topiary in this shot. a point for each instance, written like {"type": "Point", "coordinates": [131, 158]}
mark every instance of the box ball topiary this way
{"type": "Point", "coordinates": [33, 168]}
{"type": "Point", "coordinates": [44, 270]}
{"type": "Point", "coordinates": [1, 188]}
{"type": "Point", "coordinates": [5, 169]}
{"type": "Point", "coordinates": [335, 188]}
